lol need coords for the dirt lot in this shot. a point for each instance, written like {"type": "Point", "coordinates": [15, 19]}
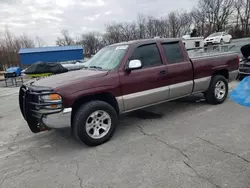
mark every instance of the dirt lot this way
{"type": "Point", "coordinates": [186, 143]}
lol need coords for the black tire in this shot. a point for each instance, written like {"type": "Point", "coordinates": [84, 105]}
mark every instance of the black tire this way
{"type": "Point", "coordinates": [210, 95]}
{"type": "Point", "coordinates": [81, 116]}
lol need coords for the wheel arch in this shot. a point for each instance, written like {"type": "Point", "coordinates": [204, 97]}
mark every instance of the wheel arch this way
{"type": "Point", "coordinates": [105, 97]}
{"type": "Point", "coordinates": [222, 72]}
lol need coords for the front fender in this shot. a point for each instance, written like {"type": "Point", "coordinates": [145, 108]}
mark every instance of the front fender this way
{"type": "Point", "coordinates": [70, 99]}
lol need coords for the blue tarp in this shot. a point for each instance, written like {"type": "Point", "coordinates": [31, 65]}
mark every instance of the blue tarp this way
{"type": "Point", "coordinates": [241, 93]}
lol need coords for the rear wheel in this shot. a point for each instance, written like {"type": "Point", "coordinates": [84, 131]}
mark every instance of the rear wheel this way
{"type": "Point", "coordinates": [218, 90]}
{"type": "Point", "coordinates": [94, 123]}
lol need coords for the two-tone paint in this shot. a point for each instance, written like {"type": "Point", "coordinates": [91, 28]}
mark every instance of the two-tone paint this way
{"type": "Point", "coordinates": [147, 86]}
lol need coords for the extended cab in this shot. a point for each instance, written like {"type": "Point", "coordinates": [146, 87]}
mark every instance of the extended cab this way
{"type": "Point", "coordinates": [121, 78]}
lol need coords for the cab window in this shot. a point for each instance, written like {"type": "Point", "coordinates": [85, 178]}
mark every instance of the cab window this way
{"type": "Point", "coordinates": [148, 54]}
{"type": "Point", "coordinates": [173, 52]}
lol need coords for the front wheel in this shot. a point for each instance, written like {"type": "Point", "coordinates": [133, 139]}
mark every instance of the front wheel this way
{"type": "Point", "coordinates": [94, 123]}
{"type": "Point", "coordinates": [218, 90]}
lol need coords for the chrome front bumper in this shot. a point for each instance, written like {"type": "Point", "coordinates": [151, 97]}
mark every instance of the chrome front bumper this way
{"type": "Point", "coordinates": [59, 120]}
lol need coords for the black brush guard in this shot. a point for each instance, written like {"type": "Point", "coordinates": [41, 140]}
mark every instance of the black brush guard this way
{"type": "Point", "coordinates": [33, 110]}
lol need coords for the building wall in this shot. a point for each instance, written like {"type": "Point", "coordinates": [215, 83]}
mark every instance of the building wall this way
{"type": "Point", "coordinates": [53, 56]}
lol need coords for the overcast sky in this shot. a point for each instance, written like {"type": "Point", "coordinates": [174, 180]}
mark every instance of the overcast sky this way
{"type": "Point", "coordinates": [46, 18]}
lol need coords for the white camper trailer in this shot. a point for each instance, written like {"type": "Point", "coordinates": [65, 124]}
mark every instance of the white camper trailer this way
{"type": "Point", "coordinates": [193, 42]}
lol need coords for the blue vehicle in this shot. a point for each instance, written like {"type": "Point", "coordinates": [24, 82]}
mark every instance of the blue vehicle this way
{"type": "Point", "coordinates": [13, 72]}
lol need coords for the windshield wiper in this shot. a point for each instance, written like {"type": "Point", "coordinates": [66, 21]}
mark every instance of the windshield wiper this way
{"type": "Point", "coordinates": [96, 67]}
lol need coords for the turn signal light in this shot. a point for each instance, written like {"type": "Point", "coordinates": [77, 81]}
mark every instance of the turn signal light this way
{"type": "Point", "coordinates": [54, 97]}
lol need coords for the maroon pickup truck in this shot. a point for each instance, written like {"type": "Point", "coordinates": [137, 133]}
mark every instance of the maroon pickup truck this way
{"type": "Point", "coordinates": [122, 78]}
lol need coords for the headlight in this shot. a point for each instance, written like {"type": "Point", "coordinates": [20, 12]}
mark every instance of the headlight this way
{"type": "Point", "coordinates": [51, 97]}
{"type": "Point", "coordinates": [54, 98]}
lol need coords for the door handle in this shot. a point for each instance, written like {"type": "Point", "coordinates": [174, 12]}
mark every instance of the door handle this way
{"type": "Point", "coordinates": [163, 73]}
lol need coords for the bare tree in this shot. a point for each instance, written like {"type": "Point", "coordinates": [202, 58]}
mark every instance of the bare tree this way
{"type": "Point", "coordinates": [92, 42]}
{"type": "Point", "coordinates": [243, 15]}
{"type": "Point", "coordinates": [114, 33]}
{"type": "Point", "coordinates": [26, 42]}
{"type": "Point", "coordinates": [10, 46]}
{"type": "Point", "coordinates": [39, 42]}
{"type": "Point", "coordinates": [65, 40]}
{"type": "Point", "coordinates": [186, 22]}
{"type": "Point", "coordinates": [199, 21]}
{"type": "Point", "coordinates": [179, 23]}
{"type": "Point", "coordinates": [217, 13]}
{"type": "Point", "coordinates": [141, 20]}
{"type": "Point", "coordinates": [174, 25]}
{"type": "Point", "coordinates": [154, 27]}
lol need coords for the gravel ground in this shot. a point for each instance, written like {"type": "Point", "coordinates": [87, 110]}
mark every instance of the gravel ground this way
{"type": "Point", "coordinates": [185, 143]}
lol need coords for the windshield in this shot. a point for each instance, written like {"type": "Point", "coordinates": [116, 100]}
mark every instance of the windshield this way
{"type": "Point", "coordinates": [216, 34]}
{"type": "Point", "coordinates": [107, 58]}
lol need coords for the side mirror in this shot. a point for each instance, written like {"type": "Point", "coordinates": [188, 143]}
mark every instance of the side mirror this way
{"type": "Point", "coordinates": [134, 64]}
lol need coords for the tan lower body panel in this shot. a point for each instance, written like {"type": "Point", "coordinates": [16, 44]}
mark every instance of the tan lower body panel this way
{"type": "Point", "coordinates": [150, 97]}
{"type": "Point", "coordinates": [144, 98]}
{"type": "Point", "coordinates": [201, 84]}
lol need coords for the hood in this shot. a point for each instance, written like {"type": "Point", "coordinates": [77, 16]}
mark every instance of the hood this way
{"type": "Point", "coordinates": [66, 78]}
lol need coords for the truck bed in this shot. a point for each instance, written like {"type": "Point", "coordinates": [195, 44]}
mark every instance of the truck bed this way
{"type": "Point", "coordinates": [220, 61]}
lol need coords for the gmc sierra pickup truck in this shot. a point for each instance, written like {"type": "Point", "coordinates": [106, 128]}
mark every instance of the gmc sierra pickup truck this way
{"type": "Point", "coordinates": [122, 78]}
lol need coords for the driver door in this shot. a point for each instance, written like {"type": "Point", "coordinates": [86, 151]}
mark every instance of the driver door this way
{"type": "Point", "coordinates": [147, 85]}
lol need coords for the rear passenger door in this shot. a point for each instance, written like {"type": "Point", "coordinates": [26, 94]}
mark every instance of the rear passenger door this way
{"type": "Point", "coordinates": [144, 86]}
{"type": "Point", "coordinates": [179, 70]}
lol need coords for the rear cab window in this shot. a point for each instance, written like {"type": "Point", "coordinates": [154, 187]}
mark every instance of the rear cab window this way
{"type": "Point", "coordinates": [148, 54]}
{"type": "Point", "coordinates": [173, 52]}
